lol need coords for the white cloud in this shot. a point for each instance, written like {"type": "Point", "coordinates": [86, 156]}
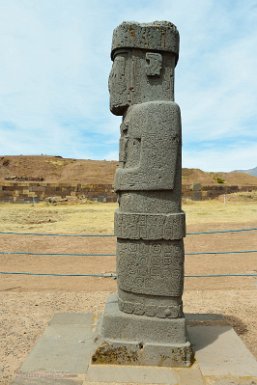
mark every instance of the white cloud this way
{"type": "Point", "coordinates": [238, 157]}
{"type": "Point", "coordinates": [55, 63]}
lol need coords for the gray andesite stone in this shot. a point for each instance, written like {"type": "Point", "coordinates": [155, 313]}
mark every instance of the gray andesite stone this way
{"type": "Point", "coordinates": [144, 323]}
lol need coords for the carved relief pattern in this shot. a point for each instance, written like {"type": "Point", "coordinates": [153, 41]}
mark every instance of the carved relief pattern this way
{"type": "Point", "coordinates": [149, 226]}
{"type": "Point", "coordinates": [150, 147]}
{"type": "Point", "coordinates": [150, 310]}
{"type": "Point", "coordinates": [150, 267]}
{"type": "Point", "coordinates": [153, 64]}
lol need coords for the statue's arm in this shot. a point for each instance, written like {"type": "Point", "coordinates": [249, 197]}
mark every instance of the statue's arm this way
{"type": "Point", "coordinates": [158, 124]}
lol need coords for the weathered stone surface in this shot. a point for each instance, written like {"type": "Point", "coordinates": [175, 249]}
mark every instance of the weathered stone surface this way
{"type": "Point", "coordinates": [150, 267]}
{"type": "Point", "coordinates": [129, 340]}
{"type": "Point", "coordinates": [149, 147]}
{"type": "Point", "coordinates": [222, 353]}
{"type": "Point", "coordinates": [146, 328]}
{"type": "Point", "coordinates": [156, 36]}
{"type": "Point", "coordinates": [149, 226]}
{"type": "Point", "coordinates": [145, 325]}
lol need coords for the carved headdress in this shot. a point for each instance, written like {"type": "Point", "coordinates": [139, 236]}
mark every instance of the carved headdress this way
{"type": "Point", "coordinates": [159, 36]}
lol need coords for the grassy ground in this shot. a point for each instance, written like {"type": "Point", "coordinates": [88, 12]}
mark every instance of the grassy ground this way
{"type": "Point", "coordinates": [215, 211]}
{"type": "Point", "coordinates": [77, 218]}
{"type": "Point", "coordinates": [98, 217]}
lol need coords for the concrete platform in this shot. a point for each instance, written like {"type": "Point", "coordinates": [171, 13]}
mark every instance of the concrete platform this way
{"type": "Point", "coordinates": [63, 356]}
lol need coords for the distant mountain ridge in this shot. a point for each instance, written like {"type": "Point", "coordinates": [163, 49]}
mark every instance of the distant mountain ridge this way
{"type": "Point", "coordinates": [55, 169]}
{"type": "Point", "coordinates": [251, 171]}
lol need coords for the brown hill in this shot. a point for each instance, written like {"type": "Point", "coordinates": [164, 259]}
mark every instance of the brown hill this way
{"type": "Point", "coordinates": [56, 169]}
{"type": "Point", "coordinates": [194, 175]}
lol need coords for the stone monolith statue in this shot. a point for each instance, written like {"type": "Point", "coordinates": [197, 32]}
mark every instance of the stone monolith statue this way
{"type": "Point", "coordinates": [144, 323]}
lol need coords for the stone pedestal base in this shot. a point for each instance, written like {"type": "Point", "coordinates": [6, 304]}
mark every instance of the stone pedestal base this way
{"type": "Point", "coordinates": [62, 356]}
{"type": "Point", "coordinates": [126, 339]}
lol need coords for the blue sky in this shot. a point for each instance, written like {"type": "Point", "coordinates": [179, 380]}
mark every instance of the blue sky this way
{"type": "Point", "coordinates": [55, 61]}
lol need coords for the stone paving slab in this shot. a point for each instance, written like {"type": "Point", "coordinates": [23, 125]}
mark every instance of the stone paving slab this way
{"type": "Point", "coordinates": [220, 352]}
{"type": "Point", "coordinates": [61, 354]}
{"type": "Point", "coordinates": [206, 318]}
{"type": "Point", "coordinates": [144, 375]}
{"type": "Point", "coordinates": [21, 380]}
{"type": "Point", "coordinates": [62, 357]}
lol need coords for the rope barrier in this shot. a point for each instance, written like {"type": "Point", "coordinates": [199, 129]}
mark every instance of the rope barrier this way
{"type": "Point", "coordinates": [59, 235]}
{"type": "Point", "coordinates": [98, 275]}
{"type": "Point", "coordinates": [221, 275]}
{"type": "Point", "coordinates": [112, 235]}
{"type": "Point", "coordinates": [113, 255]}
{"type": "Point", "coordinates": [55, 254]}
{"type": "Point", "coordinates": [222, 231]}
{"type": "Point", "coordinates": [221, 252]}
{"type": "Point", "coordinates": [114, 276]}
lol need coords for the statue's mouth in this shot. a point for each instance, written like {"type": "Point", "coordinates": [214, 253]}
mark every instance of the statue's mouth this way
{"type": "Point", "coordinates": [118, 109]}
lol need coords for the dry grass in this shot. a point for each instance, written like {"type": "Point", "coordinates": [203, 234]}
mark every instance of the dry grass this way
{"type": "Point", "coordinates": [98, 217]}
{"type": "Point", "coordinates": [215, 211]}
{"type": "Point", "coordinates": [79, 218]}
{"type": "Point", "coordinates": [56, 162]}
{"type": "Point", "coordinates": [244, 196]}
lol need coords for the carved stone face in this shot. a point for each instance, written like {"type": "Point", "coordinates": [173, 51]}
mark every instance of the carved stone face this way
{"type": "Point", "coordinates": [118, 84]}
{"type": "Point", "coordinates": [139, 76]}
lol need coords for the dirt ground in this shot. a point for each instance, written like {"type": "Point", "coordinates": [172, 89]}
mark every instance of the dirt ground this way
{"type": "Point", "coordinates": [28, 302]}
